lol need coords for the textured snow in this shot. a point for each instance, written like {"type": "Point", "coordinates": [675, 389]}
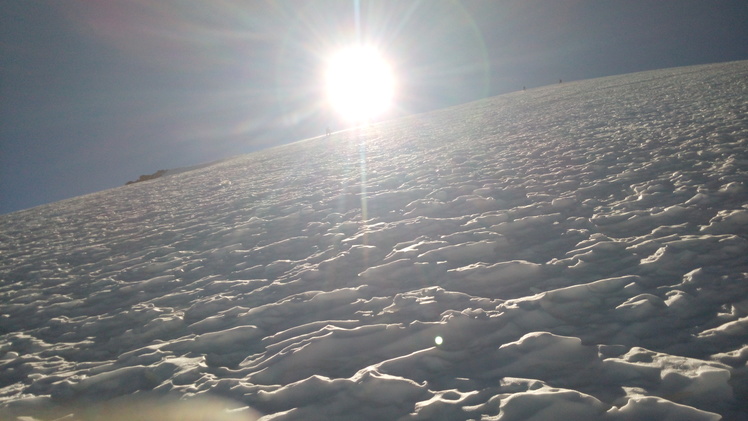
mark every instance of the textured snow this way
{"type": "Point", "coordinates": [578, 251]}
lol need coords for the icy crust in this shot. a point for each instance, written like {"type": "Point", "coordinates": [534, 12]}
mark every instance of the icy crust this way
{"type": "Point", "coordinates": [572, 252]}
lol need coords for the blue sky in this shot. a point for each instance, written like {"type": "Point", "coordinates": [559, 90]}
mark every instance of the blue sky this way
{"type": "Point", "coordinates": [94, 94]}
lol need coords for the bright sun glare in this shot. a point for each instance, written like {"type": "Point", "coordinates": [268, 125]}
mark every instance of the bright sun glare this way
{"type": "Point", "coordinates": [360, 84]}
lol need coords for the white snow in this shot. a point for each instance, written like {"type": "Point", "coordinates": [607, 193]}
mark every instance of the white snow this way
{"type": "Point", "coordinates": [578, 251]}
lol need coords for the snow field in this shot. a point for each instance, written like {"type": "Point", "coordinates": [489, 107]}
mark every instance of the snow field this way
{"type": "Point", "coordinates": [580, 250]}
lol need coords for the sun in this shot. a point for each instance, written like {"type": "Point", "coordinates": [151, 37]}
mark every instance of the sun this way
{"type": "Point", "coordinates": [360, 84]}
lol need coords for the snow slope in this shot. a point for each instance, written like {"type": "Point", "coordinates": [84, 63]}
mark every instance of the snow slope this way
{"type": "Point", "coordinates": [578, 251]}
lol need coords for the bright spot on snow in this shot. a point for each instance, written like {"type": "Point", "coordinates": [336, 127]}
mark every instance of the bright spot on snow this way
{"type": "Point", "coordinates": [438, 340]}
{"type": "Point", "coordinates": [360, 84]}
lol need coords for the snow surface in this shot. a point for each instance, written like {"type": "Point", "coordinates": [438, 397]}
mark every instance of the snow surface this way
{"type": "Point", "coordinates": [577, 251]}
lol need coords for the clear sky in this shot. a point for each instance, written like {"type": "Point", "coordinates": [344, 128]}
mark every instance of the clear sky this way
{"type": "Point", "coordinates": [94, 94]}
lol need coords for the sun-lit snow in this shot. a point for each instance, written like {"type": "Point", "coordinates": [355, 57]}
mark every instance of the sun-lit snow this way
{"type": "Point", "coordinates": [578, 251]}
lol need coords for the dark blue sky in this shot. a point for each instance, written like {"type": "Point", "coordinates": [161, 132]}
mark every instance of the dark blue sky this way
{"type": "Point", "coordinates": [94, 94]}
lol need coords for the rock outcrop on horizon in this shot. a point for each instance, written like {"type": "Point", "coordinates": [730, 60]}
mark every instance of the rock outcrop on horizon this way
{"type": "Point", "coordinates": [146, 177]}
